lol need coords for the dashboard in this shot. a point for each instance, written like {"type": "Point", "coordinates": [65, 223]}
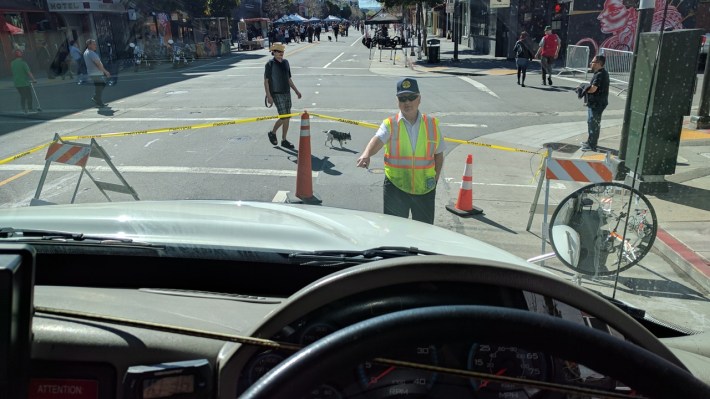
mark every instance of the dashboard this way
{"type": "Point", "coordinates": [148, 333]}
{"type": "Point", "coordinates": [371, 379]}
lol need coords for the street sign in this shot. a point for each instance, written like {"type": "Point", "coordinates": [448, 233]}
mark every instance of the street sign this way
{"type": "Point", "coordinates": [500, 3]}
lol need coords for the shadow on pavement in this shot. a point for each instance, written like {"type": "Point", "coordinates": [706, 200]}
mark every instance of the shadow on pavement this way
{"type": "Point", "coordinates": [482, 218]}
{"type": "Point", "coordinates": [60, 98]}
{"type": "Point", "coordinates": [686, 195]}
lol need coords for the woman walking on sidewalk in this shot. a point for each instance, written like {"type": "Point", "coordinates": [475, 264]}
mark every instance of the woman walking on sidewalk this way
{"type": "Point", "coordinates": [523, 54]}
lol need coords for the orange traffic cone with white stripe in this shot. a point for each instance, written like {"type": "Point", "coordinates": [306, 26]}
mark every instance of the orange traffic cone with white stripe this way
{"type": "Point", "coordinates": [464, 203]}
{"type": "Point", "coordinates": [304, 176]}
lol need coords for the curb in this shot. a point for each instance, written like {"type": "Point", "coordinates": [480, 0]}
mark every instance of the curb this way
{"type": "Point", "coordinates": [684, 258]}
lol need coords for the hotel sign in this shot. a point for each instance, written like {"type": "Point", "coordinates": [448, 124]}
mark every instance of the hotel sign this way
{"type": "Point", "coordinates": [85, 6]}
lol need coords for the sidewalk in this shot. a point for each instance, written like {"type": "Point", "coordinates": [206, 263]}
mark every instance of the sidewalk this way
{"type": "Point", "coordinates": [683, 213]}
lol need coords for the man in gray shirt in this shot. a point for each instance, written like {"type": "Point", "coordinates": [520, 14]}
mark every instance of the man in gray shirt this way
{"type": "Point", "coordinates": [96, 71]}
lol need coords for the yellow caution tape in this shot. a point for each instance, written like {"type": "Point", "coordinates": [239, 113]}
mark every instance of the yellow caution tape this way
{"type": "Point", "coordinates": [180, 128]}
{"type": "Point", "coordinates": [349, 121]}
{"type": "Point", "coordinates": [24, 153]}
{"type": "Point", "coordinates": [373, 126]}
{"type": "Point", "coordinates": [150, 131]}
{"type": "Point", "coordinates": [491, 146]}
{"type": "Point", "coordinates": [542, 165]}
{"type": "Point", "coordinates": [237, 122]}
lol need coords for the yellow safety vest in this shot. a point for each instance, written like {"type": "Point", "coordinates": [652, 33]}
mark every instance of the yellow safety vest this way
{"type": "Point", "coordinates": [413, 173]}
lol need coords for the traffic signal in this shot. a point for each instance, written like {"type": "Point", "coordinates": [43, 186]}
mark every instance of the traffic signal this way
{"type": "Point", "coordinates": [559, 10]}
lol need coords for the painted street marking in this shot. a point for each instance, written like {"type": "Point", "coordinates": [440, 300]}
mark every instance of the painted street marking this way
{"type": "Point", "coordinates": [479, 86]}
{"type": "Point", "coordinates": [160, 169]}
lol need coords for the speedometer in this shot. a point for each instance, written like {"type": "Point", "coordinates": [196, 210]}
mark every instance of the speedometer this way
{"type": "Point", "coordinates": [380, 381]}
{"type": "Point", "coordinates": [509, 361]}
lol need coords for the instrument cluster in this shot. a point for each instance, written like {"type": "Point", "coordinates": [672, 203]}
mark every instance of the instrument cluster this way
{"type": "Point", "coordinates": [438, 370]}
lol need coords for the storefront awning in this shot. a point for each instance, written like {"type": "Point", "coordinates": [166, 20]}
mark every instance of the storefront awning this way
{"type": "Point", "coordinates": [18, 5]}
{"type": "Point", "coordinates": [83, 6]}
{"type": "Point", "coordinates": [10, 28]}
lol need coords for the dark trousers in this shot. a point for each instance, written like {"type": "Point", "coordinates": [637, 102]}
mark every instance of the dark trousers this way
{"type": "Point", "coordinates": [594, 121]}
{"type": "Point", "coordinates": [99, 86]}
{"type": "Point", "coordinates": [546, 64]}
{"type": "Point", "coordinates": [522, 64]}
{"type": "Point", "coordinates": [25, 97]}
{"type": "Point", "coordinates": [399, 203]}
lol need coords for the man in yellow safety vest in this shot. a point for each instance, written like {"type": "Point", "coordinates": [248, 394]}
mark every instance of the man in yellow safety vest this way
{"type": "Point", "coordinates": [414, 156]}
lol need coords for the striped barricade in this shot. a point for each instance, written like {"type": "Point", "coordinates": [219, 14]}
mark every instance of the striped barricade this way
{"type": "Point", "coordinates": [78, 154]}
{"type": "Point", "coordinates": [577, 170]}
{"type": "Point", "coordinates": [67, 153]}
{"type": "Point", "coordinates": [580, 170]}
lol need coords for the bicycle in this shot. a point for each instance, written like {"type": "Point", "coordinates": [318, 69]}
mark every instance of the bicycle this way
{"type": "Point", "coordinates": [637, 225]}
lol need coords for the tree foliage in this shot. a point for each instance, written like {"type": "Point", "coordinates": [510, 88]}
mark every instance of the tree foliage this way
{"type": "Point", "coordinates": [276, 8]}
{"type": "Point", "coordinates": [221, 8]}
{"type": "Point", "coordinates": [195, 8]}
{"type": "Point", "coordinates": [397, 4]}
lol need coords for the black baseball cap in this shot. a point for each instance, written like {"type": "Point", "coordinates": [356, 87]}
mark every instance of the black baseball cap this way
{"type": "Point", "coordinates": [407, 86]}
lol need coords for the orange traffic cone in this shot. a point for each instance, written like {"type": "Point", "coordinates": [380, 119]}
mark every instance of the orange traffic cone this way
{"type": "Point", "coordinates": [304, 179]}
{"type": "Point", "coordinates": [464, 202]}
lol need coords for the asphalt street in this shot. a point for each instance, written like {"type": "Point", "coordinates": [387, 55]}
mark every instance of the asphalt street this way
{"type": "Point", "coordinates": [341, 80]}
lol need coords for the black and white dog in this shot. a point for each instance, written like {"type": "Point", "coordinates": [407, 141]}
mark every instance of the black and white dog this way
{"type": "Point", "coordinates": [331, 135]}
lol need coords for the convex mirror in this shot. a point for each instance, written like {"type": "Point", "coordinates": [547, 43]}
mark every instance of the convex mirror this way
{"type": "Point", "coordinates": [603, 228]}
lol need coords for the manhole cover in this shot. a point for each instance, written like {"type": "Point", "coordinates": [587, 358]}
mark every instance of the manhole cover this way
{"type": "Point", "coordinates": [562, 147]}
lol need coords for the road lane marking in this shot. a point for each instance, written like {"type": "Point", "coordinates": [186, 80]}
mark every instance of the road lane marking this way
{"type": "Point", "coordinates": [480, 86]}
{"type": "Point", "coordinates": [158, 169]}
{"type": "Point", "coordinates": [17, 176]}
{"type": "Point", "coordinates": [553, 185]}
{"type": "Point", "coordinates": [334, 59]}
{"type": "Point", "coordinates": [149, 143]}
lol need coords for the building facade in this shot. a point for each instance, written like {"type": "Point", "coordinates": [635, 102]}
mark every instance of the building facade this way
{"type": "Point", "coordinates": [491, 27]}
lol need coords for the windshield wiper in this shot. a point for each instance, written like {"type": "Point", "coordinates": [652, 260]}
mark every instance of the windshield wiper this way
{"type": "Point", "coordinates": [53, 235]}
{"type": "Point", "coordinates": [356, 257]}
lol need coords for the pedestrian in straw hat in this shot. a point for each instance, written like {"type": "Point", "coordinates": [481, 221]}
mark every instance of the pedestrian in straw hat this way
{"type": "Point", "coordinates": [278, 85]}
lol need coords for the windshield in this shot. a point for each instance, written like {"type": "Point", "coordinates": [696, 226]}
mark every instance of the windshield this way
{"type": "Point", "coordinates": [172, 126]}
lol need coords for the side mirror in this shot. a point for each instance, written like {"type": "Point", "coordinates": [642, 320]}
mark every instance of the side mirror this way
{"type": "Point", "coordinates": [603, 228]}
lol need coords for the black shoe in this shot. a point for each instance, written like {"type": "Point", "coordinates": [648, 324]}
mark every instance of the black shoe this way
{"type": "Point", "coordinates": [549, 81]}
{"type": "Point", "coordinates": [99, 104]}
{"type": "Point", "coordinates": [286, 144]}
{"type": "Point", "coordinates": [518, 82]}
{"type": "Point", "coordinates": [272, 138]}
{"type": "Point", "coordinates": [543, 82]}
{"type": "Point", "coordinates": [523, 85]}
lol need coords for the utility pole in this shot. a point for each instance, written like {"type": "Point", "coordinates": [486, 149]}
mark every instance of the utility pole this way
{"type": "Point", "coordinates": [457, 27]}
{"type": "Point", "coordinates": [645, 18]}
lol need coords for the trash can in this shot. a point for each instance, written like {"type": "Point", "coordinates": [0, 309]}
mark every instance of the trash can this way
{"type": "Point", "coordinates": [433, 50]}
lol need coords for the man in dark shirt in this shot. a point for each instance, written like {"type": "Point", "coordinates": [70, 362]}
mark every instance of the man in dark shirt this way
{"type": "Point", "coordinates": [597, 100]}
{"type": "Point", "coordinates": [278, 85]}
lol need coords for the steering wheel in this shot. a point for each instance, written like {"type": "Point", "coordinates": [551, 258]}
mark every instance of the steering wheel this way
{"type": "Point", "coordinates": [640, 369]}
